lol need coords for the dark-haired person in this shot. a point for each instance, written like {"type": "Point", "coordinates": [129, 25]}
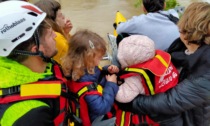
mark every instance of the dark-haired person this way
{"type": "Point", "coordinates": [154, 24]}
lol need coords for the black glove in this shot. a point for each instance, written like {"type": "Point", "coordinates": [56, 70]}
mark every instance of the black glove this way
{"type": "Point", "coordinates": [125, 106]}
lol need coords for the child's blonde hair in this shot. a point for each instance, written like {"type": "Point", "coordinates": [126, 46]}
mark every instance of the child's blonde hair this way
{"type": "Point", "coordinates": [83, 47]}
{"type": "Point", "coordinates": [195, 23]}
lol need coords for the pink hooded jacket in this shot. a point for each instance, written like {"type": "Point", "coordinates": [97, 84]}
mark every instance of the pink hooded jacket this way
{"type": "Point", "coordinates": [132, 50]}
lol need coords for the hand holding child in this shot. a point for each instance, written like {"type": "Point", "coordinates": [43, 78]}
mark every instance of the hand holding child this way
{"type": "Point", "coordinates": [113, 69]}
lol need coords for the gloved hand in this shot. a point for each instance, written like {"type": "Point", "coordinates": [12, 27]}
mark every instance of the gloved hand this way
{"type": "Point", "coordinates": [100, 122]}
{"type": "Point", "coordinates": [125, 106]}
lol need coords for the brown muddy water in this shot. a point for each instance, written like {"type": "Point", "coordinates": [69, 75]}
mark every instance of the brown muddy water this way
{"type": "Point", "coordinates": [99, 15]}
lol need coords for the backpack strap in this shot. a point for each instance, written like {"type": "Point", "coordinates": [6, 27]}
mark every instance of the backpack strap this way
{"type": "Point", "coordinates": [170, 17]}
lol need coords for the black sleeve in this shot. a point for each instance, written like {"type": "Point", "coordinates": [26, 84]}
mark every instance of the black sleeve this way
{"type": "Point", "coordinates": [186, 95]}
{"type": "Point", "coordinates": [41, 116]}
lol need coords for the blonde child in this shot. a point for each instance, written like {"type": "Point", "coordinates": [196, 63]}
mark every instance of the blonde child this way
{"type": "Point", "coordinates": [81, 64]}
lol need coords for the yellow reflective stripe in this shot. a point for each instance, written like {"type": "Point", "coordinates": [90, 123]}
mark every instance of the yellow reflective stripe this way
{"type": "Point", "coordinates": [85, 89]}
{"type": "Point", "coordinates": [162, 60]}
{"type": "Point", "coordinates": [100, 67]}
{"type": "Point", "coordinates": [138, 70]}
{"type": "Point", "coordinates": [122, 119]}
{"type": "Point", "coordinates": [77, 112]}
{"type": "Point", "coordinates": [71, 123]}
{"type": "Point", "coordinates": [1, 92]}
{"type": "Point", "coordinates": [81, 91]}
{"type": "Point", "coordinates": [99, 88]}
{"type": "Point", "coordinates": [40, 89]}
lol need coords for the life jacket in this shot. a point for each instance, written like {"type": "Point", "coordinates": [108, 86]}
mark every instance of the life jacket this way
{"type": "Point", "coordinates": [47, 89]}
{"type": "Point", "coordinates": [82, 89]}
{"type": "Point", "coordinates": [158, 75]}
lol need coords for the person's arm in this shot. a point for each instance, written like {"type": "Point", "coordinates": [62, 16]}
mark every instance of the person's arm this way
{"type": "Point", "coordinates": [130, 89]}
{"type": "Point", "coordinates": [186, 95]}
{"type": "Point", "coordinates": [101, 104]}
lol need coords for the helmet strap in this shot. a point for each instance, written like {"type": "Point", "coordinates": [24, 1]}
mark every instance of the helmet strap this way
{"type": "Point", "coordinates": [37, 41]}
{"type": "Point", "coordinates": [36, 37]}
{"type": "Point", "coordinates": [37, 53]}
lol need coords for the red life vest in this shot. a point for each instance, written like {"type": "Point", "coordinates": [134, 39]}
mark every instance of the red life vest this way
{"type": "Point", "coordinates": [165, 76]}
{"type": "Point", "coordinates": [82, 89]}
{"type": "Point", "coordinates": [46, 89]}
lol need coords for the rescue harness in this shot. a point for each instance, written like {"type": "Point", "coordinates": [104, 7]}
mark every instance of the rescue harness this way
{"type": "Point", "coordinates": [54, 88]}
{"type": "Point", "coordinates": [158, 75]}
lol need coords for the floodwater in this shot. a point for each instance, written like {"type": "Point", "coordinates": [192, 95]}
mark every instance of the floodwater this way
{"type": "Point", "coordinates": [99, 15]}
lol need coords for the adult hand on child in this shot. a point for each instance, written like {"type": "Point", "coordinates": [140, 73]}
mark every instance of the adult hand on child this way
{"type": "Point", "coordinates": [113, 69]}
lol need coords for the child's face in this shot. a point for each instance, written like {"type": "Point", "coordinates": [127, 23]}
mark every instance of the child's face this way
{"type": "Point", "coordinates": [60, 19]}
{"type": "Point", "coordinates": [97, 59]}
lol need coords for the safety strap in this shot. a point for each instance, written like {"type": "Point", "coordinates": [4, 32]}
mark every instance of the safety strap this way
{"type": "Point", "coordinates": [170, 17]}
{"type": "Point", "coordinates": [37, 90]}
{"type": "Point", "coordinates": [10, 91]}
{"type": "Point", "coordinates": [87, 88]}
{"type": "Point", "coordinates": [91, 87]}
{"type": "Point", "coordinates": [146, 77]}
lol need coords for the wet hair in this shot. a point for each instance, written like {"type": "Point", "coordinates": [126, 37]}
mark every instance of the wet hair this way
{"type": "Point", "coordinates": [28, 44]}
{"type": "Point", "coordinates": [153, 5]}
{"type": "Point", "coordinates": [84, 46]}
{"type": "Point", "coordinates": [51, 7]}
{"type": "Point", "coordinates": [195, 23]}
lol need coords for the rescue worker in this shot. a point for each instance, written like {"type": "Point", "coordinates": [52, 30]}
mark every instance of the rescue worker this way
{"type": "Point", "coordinates": [32, 87]}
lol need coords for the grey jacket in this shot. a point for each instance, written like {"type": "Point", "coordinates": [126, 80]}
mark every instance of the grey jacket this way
{"type": "Point", "coordinates": [154, 25]}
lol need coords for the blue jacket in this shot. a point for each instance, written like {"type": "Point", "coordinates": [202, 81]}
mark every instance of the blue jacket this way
{"type": "Point", "coordinates": [100, 105]}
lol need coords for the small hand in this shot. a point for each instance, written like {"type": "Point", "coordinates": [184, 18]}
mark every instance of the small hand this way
{"type": "Point", "coordinates": [68, 26]}
{"type": "Point", "coordinates": [111, 78]}
{"type": "Point", "coordinates": [113, 69]}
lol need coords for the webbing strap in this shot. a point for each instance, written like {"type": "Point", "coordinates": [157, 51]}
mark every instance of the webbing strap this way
{"type": "Point", "coordinates": [10, 90]}
{"type": "Point", "coordinates": [148, 81]}
{"type": "Point", "coordinates": [90, 87]}
{"type": "Point", "coordinates": [122, 119]}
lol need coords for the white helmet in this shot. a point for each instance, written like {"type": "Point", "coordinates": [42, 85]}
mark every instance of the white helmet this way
{"type": "Point", "coordinates": [18, 22]}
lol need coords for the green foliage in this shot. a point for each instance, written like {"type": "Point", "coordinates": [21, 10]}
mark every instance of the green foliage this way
{"type": "Point", "coordinates": [137, 3]}
{"type": "Point", "coordinates": [169, 4]}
